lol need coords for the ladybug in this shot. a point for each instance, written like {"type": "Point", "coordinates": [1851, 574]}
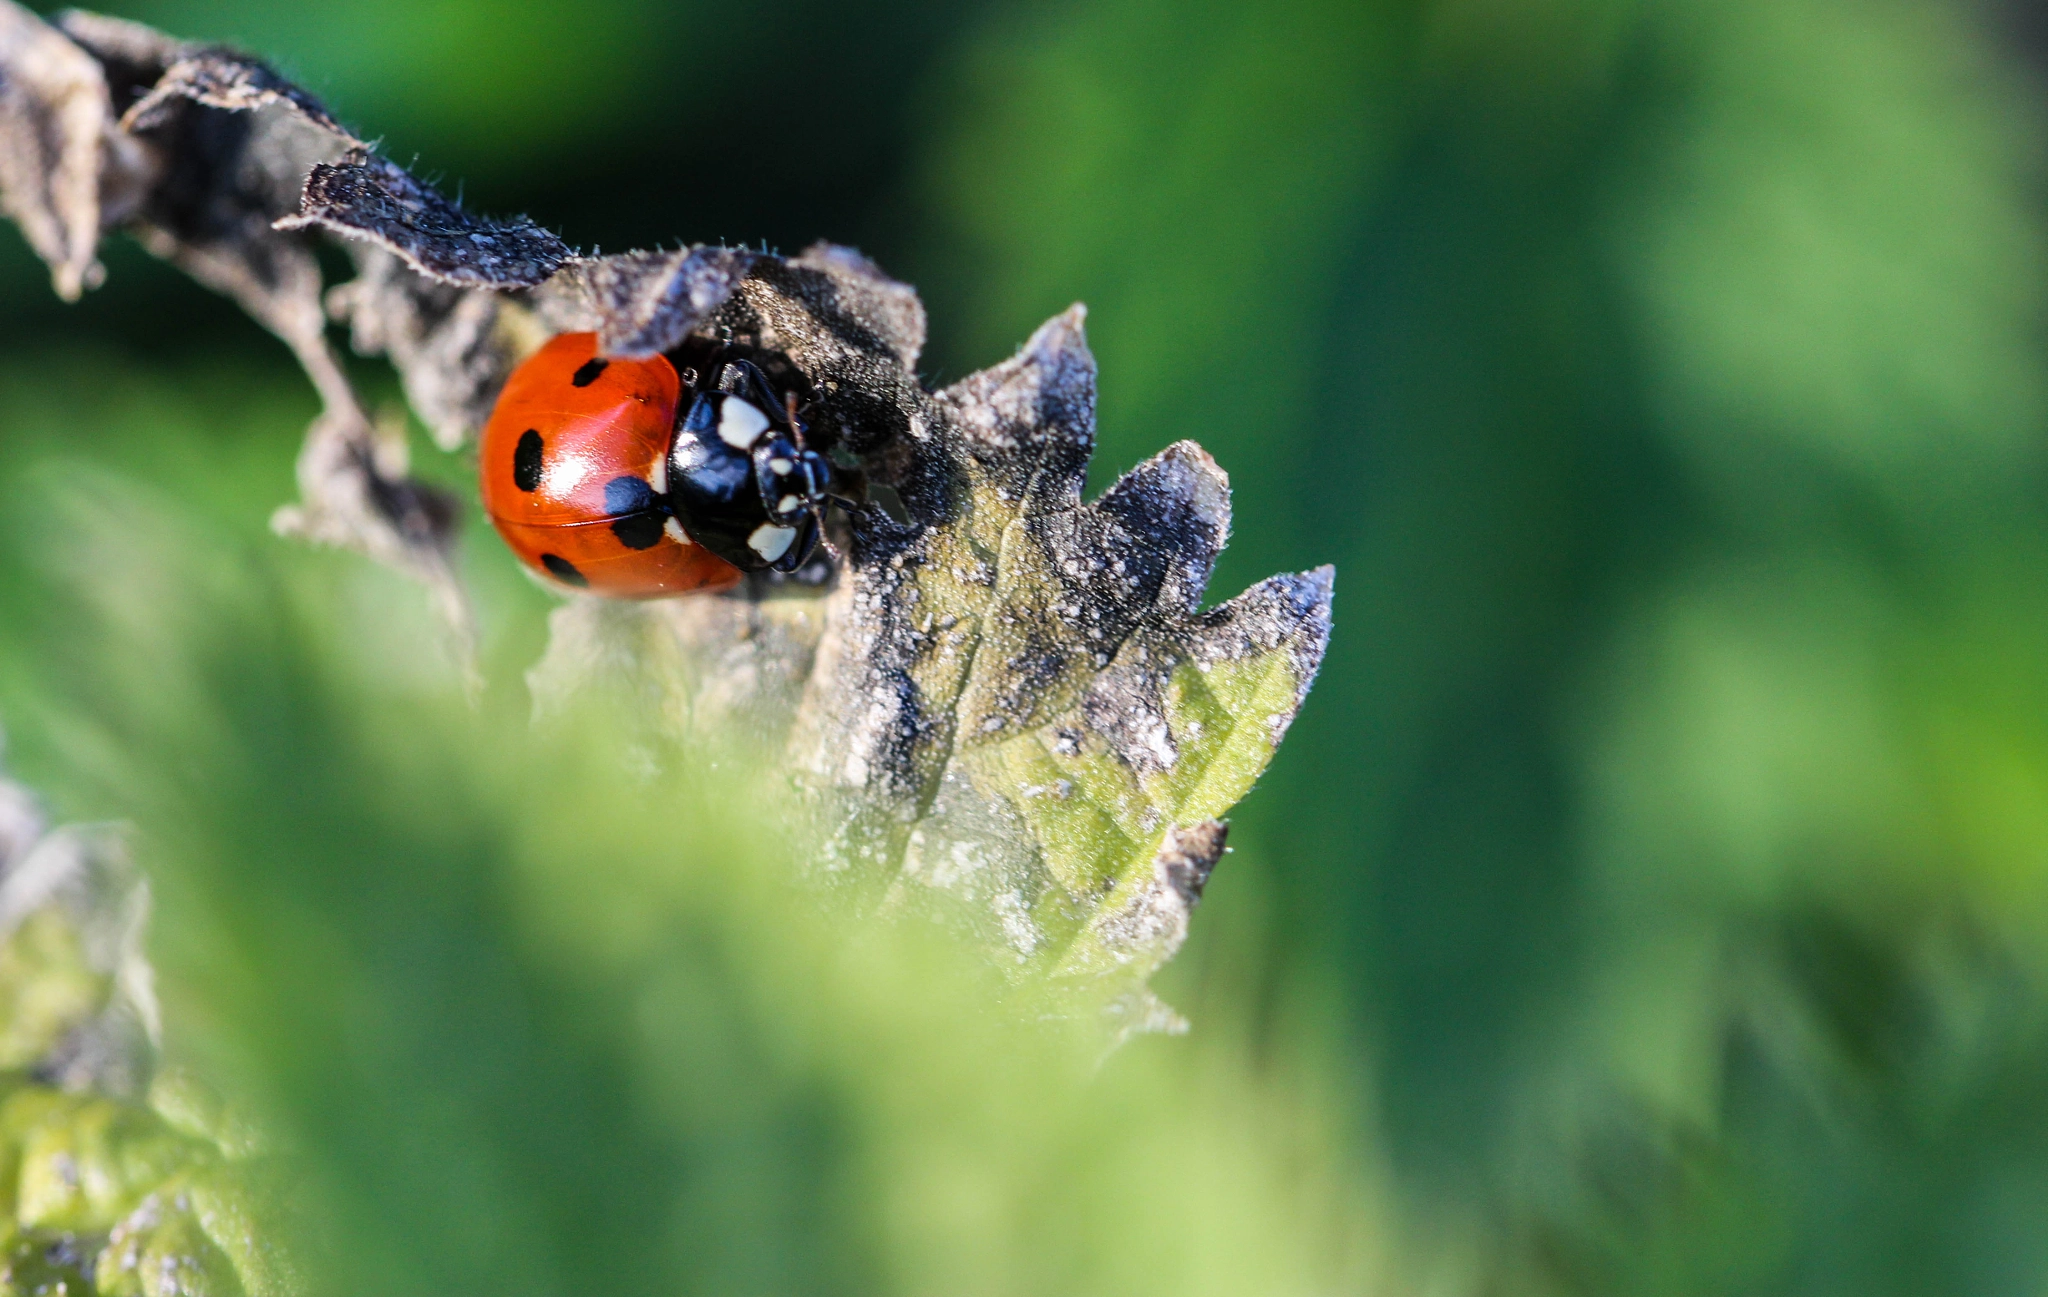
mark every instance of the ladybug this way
{"type": "Point", "coordinates": [624, 478]}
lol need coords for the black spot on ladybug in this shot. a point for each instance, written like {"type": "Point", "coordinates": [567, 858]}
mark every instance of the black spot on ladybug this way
{"type": "Point", "coordinates": [563, 570]}
{"type": "Point", "coordinates": [526, 461]}
{"type": "Point", "coordinates": [639, 530]}
{"type": "Point", "coordinates": [638, 517]}
{"type": "Point", "coordinates": [628, 495]}
{"type": "Point", "coordinates": [588, 372]}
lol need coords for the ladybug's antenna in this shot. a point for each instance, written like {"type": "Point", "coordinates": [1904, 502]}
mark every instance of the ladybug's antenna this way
{"type": "Point", "coordinates": [796, 429]}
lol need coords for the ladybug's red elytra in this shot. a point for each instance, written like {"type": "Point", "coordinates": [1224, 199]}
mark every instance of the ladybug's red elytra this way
{"type": "Point", "coordinates": [607, 475]}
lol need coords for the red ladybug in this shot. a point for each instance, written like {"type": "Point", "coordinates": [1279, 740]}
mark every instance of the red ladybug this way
{"type": "Point", "coordinates": [580, 451]}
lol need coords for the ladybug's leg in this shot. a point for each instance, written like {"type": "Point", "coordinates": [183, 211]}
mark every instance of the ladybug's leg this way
{"type": "Point", "coordinates": [802, 547]}
{"type": "Point", "coordinates": [791, 481]}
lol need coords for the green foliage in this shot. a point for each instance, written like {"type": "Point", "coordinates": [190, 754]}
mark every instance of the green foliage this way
{"type": "Point", "coordinates": [530, 1015]}
{"type": "Point", "coordinates": [1649, 901]}
{"type": "Point", "coordinates": [1669, 382]}
{"type": "Point", "coordinates": [163, 1250]}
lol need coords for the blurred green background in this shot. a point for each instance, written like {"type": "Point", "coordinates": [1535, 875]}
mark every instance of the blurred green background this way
{"type": "Point", "coordinates": [1652, 898]}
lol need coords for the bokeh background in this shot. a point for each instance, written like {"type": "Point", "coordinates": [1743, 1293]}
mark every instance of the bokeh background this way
{"type": "Point", "coordinates": [1652, 898]}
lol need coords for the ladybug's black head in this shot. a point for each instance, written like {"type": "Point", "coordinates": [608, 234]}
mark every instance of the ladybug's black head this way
{"type": "Point", "coordinates": [742, 477]}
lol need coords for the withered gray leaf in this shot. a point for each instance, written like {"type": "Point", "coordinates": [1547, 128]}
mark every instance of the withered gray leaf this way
{"type": "Point", "coordinates": [642, 303]}
{"type": "Point", "coordinates": [220, 78]}
{"type": "Point", "coordinates": [132, 57]}
{"type": "Point", "coordinates": [1048, 725]}
{"type": "Point", "coordinates": [54, 132]}
{"type": "Point", "coordinates": [452, 347]}
{"type": "Point", "coordinates": [367, 197]}
{"type": "Point", "coordinates": [199, 152]}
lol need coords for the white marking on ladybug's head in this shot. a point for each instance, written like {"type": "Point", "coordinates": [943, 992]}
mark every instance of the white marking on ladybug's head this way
{"type": "Point", "coordinates": [787, 504]}
{"type": "Point", "coordinates": [781, 465]}
{"type": "Point", "coordinates": [676, 532]}
{"type": "Point", "coordinates": [740, 422]}
{"type": "Point", "coordinates": [770, 541]}
{"type": "Point", "coordinates": [658, 476]}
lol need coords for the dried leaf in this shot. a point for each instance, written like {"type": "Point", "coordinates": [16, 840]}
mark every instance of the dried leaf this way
{"type": "Point", "coordinates": [641, 303]}
{"type": "Point", "coordinates": [1014, 713]}
{"type": "Point", "coordinates": [367, 197]}
{"type": "Point", "coordinates": [712, 669]}
{"type": "Point", "coordinates": [452, 346]}
{"type": "Point", "coordinates": [214, 77]}
{"type": "Point", "coordinates": [54, 117]}
{"type": "Point", "coordinates": [199, 152]}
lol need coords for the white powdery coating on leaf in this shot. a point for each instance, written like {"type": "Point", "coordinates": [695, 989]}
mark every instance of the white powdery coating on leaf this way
{"type": "Point", "coordinates": [1015, 916]}
{"type": "Point", "coordinates": [1045, 392]}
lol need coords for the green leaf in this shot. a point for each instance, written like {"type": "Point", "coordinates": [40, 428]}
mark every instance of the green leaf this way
{"type": "Point", "coordinates": [199, 1233]}
{"type": "Point", "coordinates": [1079, 723]}
{"type": "Point", "coordinates": [89, 1161]}
{"type": "Point", "coordinates": [163, 1250]}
